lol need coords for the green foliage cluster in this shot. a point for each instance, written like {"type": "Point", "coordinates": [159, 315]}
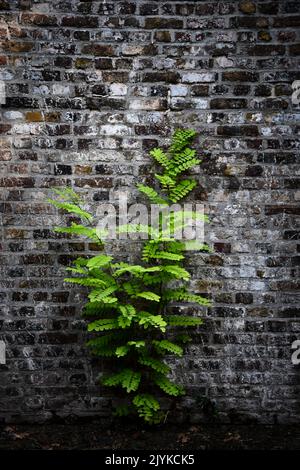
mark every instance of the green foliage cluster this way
{"type": "Point", "coordinates": [127, 304]}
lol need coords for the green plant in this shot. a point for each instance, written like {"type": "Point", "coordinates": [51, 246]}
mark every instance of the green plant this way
{"type": "Point", "coordinates": [127, 304]}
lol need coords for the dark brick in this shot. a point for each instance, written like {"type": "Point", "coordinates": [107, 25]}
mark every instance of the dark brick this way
{"type": "Point", "coordinates": [162, 36]}
{"type": "Point", "coordinates": [80, 21]}
{"type": "Point", "coordinates": [254, 170]}
{"type": "Point", "coordinates": [163, 23]}
{"type": "Point", "coordinates": [294, 49]}
{"type": "Point", "coordinates": [263, 90]}
{"type": "Point", "coordinates": [167, 77]}
{"type": "Point", "coordinates": [240, 76]}
{"type": "Point", "coordinates": [269, 8]}
{"type": "Point", "coordinates": [249, 22]}
{"type": "Point", "coordinates": [228, 103]}
{"type": "Point", "coordinates": [98, 50]}
{"type": "Point", "coordinates": [149, 9]}
{"type": "Point", "coordinates": [286, 21]}
{"type": "Point", "coordinates": [250, 131]}
{"type": "Point", "coordinates": [38, 19]}
{"type": "Point", "coordinates": [291, 235]}
{"type": "Point", "coordinates": [62, 169]}
{"type": "Point", "coordinates": [127, 8]}
{"type": "Point", "coordinates": [23, 182]}
{"type": "Point", "coordinates": [222, 247]}
{"type": "Point", "coordinates": [37, 259]}
{"type": "Point", "coordinates": [244, 298]}
{"type": "Point", "coordinates": [270, 50]}
{"type": "Point", "coordinates": [58, 338]}
{"type": "Point", "coordinates": [282, 209]}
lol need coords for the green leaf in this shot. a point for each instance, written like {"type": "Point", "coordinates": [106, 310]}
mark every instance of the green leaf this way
{"type": "Point", "coordinates": [167, 386]}
{"type": "Point", "coordinates": [182, 189]}
{"type": "Point", "coordinates": [124, 322]}
{"type": "Point", "coordinates": [77, 229]}
{"type": "Point", "coordinates": [131, 380]}
{"type": "Point", "coordinates": [185, 321]}
{"type": "Point", "coordinates": [146, 319]}
{"type": "Point", "coordinates": [149, 296]}
{"type": "Point", "coordinates": [155, 364]}
{"type": "Point", "coordinates": [72, 208]}
{"type": "Point", "coordinates": [160, 157]}
{"type": "Point", "coordinates": [151, 194]}
{"type": "Point", "coordinates": [99, 261]}
{"type": "Point", "coordinates": [103, 324]}
{"type": "Point", "coordinates": [166, 255]}
{"type": "Point", "coordinates": [147, 408]}
{"type": "Point", "coordinates": [122, 351]}
{"type": "Point", "coordinates": [97, 295]}
{"type": "Point", "coordinates": [177, 272]}
{"type": "Point", "coordinates": [128, 379]}
{"type": "Point", "coordinates": [85, 281]}
{"type": "Point", "coordinates": [182, 295]}
{"type": "Point", "coordinates": [168, 346]}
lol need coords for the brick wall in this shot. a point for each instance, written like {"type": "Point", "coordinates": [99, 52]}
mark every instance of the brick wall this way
{"type": "Point", "coordinates": [90, 87]}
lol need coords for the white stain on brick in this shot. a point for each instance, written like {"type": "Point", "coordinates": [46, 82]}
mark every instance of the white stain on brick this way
{"type": "Point", "coordinates": [202, 77]}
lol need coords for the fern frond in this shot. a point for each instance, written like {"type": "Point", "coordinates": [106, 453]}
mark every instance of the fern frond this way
{"type": "Point", "coordinates": [128, 312]}
{"type": "Point", "coordinates": [182, 295]}
{"type": "Point", "coordinates": [167, 386]}
{"type": "Point", "coordinates": [78, 229]}
{"type": "Point", "coordinates": [149, 296]}
{"type": "Point", "coordinates": [103, 324]}
{"type": "Point", "coordinates": [72, 208]}
{"type": "Point", "coordinates": [97, 308]}
{"type": "Point", "coordinates": [177, 272]}
{"type": "Point", "coordinates": [181, 139]}
{"type": "Point", "coordinates": [181, 190]}
{"type": "Point", "coordinates": [151, 194]}
{"type": "Point", "coordinates": [136, 270]}
{"type": "Point", "coordinates": [155, 364]}
{"type": "Point", "coordinates": [85, 281]}
{"type": "Point", "coordinates": [122, 351]}
{"type": "Point", "coordinates": [147, 407]}
{"type": "Point", "coordinates": [146, 319]}
{"type": "Point", "coordinates": [104, 295]}
{"type": "Point", "coordinates": [167, 255]}
{"type": "Point", "coordinates": [166, 181]}
{"type": "Point", "coordinates": [99, 261]}
{"type": "Point", "coordinates": [160, 157]}
{"type": "Point", "coordinates": [167, 346]}
{"type": "Point", "coordinates": [130, 380]}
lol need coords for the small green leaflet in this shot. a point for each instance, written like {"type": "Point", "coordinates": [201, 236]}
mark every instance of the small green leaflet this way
{"type": "Point", "coordinates": [99, 261]}
{"type": "Point", "coordinates": [149, 296]}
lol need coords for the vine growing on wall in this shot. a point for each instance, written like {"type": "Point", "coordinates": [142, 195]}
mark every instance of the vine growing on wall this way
{"type": "Point", "coordinates": [127, 307]}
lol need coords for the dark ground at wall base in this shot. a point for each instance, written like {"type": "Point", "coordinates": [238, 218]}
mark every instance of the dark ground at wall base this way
{"type": "Point", "coordinates": [167, 437]}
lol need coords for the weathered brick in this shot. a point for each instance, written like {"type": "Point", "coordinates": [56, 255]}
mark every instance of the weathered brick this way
{"type": "Point", "coordinates": [38, 19]}
{"type": "Point", "coordinates": [98, 50]}
{"type": "Point", "coordinates": [261, 49]}
{"type": "Point", "coordinates": [163, 23]}
{"type": "Point", "coordinates": [228, 103]}
{"type": "Point", "coordinates": [240, 76]}
{"type": "Point", "coordinates": [247, 7]}
{"type": "Point", "coordinates": [286, 21]}
{"type": "Point", "coordinates": [80, 21]}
